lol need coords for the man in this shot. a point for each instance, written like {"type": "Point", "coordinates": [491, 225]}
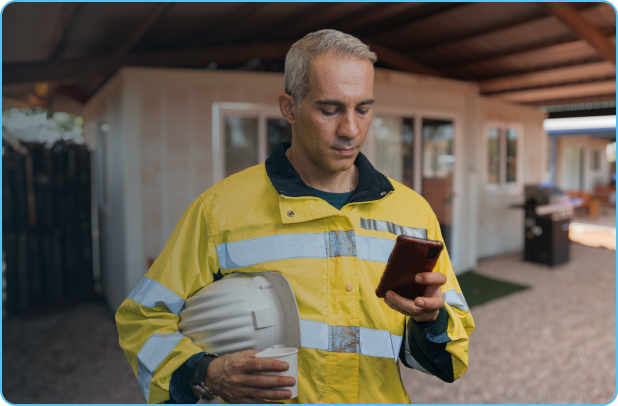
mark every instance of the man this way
{"type": "Point", "coordinates": [328, 221]}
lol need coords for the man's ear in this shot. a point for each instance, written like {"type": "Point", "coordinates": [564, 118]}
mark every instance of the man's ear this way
{"type": "Point", "coordinates": [287, 105]}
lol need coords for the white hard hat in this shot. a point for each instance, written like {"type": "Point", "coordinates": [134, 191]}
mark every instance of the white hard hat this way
{"type": "Point", "coordinates": [241, 312]}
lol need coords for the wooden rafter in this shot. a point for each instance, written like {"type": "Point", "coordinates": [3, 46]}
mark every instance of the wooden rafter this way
{"type": "Point", "coordinates": [560, 92]}
{"type": "Point", "coordinates": [400, 61]}
{"type": "Point", "coordinates": [155, 14]}
{"type": "Point", "coordinates": [370, 15]}
{"type": "Point", "coordinates": [57, 38]}
{"type": "Point", "coordinates": [582, 27]}
{"type": "Point", "coordinates": [408, 17]}
{"type": "Point", "coordinates": [106, 65]}
{"type": "Point", "coordinates": [311, 18]}
{"type": "Point", "coordinates": [548, 77]}
{"type": "Point", "coordinates": [556, 45]}
{"type": "Point", "coordinates": [490, 29]}
{"type": "Point", "coordinates": [240, 16]}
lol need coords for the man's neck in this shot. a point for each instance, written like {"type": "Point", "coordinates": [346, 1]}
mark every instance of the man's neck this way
{"type": "Point", "coordinates": [317, 178]}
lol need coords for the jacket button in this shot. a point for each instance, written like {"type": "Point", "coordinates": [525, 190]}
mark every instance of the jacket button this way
{"type": "Point", "coordinates": [382, 194]}
{"type": "Point", "coordinates": [290, 213]}
{"type": "Point", "coordinates": [349, 287]}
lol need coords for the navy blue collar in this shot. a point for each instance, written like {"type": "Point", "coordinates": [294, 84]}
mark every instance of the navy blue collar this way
{"type": "Point", "coordinates": [372, 185]}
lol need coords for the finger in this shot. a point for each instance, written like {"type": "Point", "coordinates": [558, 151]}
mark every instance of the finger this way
{"type": "Point", "coordinates": [258, 401]}
{"type": "Point", "coordinates": [267, 381]}
{"type": "Point", "coordinates": [260, 393]}
{"type": "Point", "coordinates": [432, 291]}
{"type": "Point", "coordinates": [416, 307]}
{"type": "Point", "coordinates": [251, 365]}
{"type": "Point", "coordinates": [396, 308]}
{"type": "Point", "coordinates": [402, 303]}
{"type": "Point", "coordinates": [429, 303]}
{"type": "Point", "coordinates": [430, 278]}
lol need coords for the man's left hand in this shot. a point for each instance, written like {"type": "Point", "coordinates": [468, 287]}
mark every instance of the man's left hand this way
{"type": "Point", "coordinates": [424, 308]}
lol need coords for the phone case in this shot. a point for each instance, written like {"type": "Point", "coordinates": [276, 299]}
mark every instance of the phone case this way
{"type": "Point", "coordinates": [409, 257]}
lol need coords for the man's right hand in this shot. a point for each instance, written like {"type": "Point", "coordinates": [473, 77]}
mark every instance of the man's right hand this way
{"type": "Point", "coordinates": [233, 377]}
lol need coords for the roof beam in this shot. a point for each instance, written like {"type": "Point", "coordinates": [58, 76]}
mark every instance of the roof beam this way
{"type": "Point", "coordinates": [559, 92]}
{"type": "Point", "coordinates": [548, 77]}
{"type": "Point", "coordinates": [58, 36]}
{"type": "Point", "coordinates": [413, 15]}
{"type": "Point", "coordinates": [497, 26]}
{"type": "Point", "coordinates": [545, 46]}
{"type": "Point", "coordinates": [107, 65]}
{"type": "Point", "coordinates": [305, 20]}
{"type": "Point", "coordinates": [572, 18]}
{"type": "Point", "coordinates": [151, 19]}
{"type": "Point", "coordinates": [400, 61]}
{"type": "Point", "coordinates": [227, 24]}
{"type": "Point", "coordinates": [370, 15]}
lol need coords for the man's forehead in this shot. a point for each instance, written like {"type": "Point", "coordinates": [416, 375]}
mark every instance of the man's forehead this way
{"type": "Point", "coordinates": [331, 74]}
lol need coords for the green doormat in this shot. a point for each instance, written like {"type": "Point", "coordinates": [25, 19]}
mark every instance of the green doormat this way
{"type": "Point", "coordinates": [478, 289]}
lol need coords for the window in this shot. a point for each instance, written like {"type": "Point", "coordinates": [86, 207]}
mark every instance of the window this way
{"type": "Point", "coordinates": [240, 143]}
{"type": "Point", "coordinates": [395, 148]}
{"type": "Point", "coordinates": [501, 155]}
{"type": "Point", "coordinates": [493, 159]}
{"type": "Point", "coordinates": [244, 135]}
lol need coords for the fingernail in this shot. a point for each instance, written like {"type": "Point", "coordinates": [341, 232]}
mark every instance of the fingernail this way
{"type": "Point", "coordinates": [418, 278]}
{"type": "Point", "coordinates": [283, 367]}
{"type": "Point", "coordinates": [389, 296]}
{"type": "Point", "coordinates": [420, 303]}
{"type": "Point", "coordinates": [290, 382]}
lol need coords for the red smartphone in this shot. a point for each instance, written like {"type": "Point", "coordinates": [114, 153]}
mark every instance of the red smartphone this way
{"type": "Point", "coordinates": [409, 257]}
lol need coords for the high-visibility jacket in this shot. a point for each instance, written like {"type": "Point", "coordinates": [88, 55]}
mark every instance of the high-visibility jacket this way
{"type": "Point", "coordinates": [265, 219]}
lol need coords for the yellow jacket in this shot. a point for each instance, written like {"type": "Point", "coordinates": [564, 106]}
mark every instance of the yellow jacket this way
{"type": "Point", "coordinates": [265, 219]}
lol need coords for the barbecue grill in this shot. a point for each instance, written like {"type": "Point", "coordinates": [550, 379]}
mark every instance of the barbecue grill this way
{"type": "Point", "coordinates": [548, 213]}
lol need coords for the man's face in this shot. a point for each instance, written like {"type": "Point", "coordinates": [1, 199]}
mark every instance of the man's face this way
{"type": "Point", "coordinates": [332, 123]}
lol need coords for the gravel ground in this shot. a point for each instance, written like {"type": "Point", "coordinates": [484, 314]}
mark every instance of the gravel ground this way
{"type": "Point", "coordinates": [554, 343]}
{"type": "Point", "coordinates": [71, 356]}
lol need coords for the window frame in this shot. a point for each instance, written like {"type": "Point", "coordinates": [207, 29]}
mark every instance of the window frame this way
{"type": "Point", "coordinates": [261, 112]}
{"type": "Point", "coordinates": [503, 185]}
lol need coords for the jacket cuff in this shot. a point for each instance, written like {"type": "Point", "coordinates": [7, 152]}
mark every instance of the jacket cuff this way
{"type": "Point", "coordinates": [433, 331]}
{"type": "Point", "coordinates": [180, 387]}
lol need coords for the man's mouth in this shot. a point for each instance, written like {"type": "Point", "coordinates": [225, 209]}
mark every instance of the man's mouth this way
{"type": "Point", "coordinates": [345, 151]}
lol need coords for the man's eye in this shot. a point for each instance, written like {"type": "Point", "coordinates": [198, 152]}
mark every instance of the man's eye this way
{"type": "Point", "coordinates": [329, 113]}
{"type": "Point", "coordinates": [363, 111]}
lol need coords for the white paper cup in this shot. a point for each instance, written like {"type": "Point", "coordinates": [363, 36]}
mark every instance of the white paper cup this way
{"type": "Point", "coordinates": [289, 355]}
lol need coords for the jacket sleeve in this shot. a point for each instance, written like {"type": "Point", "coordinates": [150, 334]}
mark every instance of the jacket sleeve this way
{"type": "Point", "coordinates": [440, 348]}
{"type": "Point", "coordinates": [148, 319]}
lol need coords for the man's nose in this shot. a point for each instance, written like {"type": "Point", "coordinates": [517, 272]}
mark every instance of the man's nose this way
{"type": "Point", "coordinates": [348, 126]}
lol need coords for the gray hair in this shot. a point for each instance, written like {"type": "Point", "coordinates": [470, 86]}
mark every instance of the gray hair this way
{"type": "Point", "coordinates": [304, 51]}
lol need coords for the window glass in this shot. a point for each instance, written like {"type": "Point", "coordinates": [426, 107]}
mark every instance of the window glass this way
{"type": "Point", "coordinates": [438, 164]}
{"type": "Point", "coordinates": [493, 155]}
{"type": "Point", "coordinates": [511, 155]}
{"type": "Point", "coordinates": [277, 131]}
{"type": "Point", "coordinates": [389, 137]}
{"type": "Point", "coordinates": [240, 143]}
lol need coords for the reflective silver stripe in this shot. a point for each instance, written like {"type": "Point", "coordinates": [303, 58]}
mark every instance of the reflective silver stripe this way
{"type": "Point", "coordinates": [373, 248]}
{"type": "Point", "coordinates": [455, 299]}
{"type": "Point", "coordinates": [360, 340]}
{"type": "Point", "coordinates": [150, 293]}
{"type": "Point", "coordinates": [413, 362]}
{"type": "Point", "coordinates": [277, 247]}
{"type": "Point", "coordinates": [388, 227]}
{"type": "Point", "coordinates": [156, 349]}
{"type": "Point", "coordinates": [314, 334]}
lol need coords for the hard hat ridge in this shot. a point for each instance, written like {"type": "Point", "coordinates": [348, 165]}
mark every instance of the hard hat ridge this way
{"type": "Point", "coordinates": [243, 311]}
